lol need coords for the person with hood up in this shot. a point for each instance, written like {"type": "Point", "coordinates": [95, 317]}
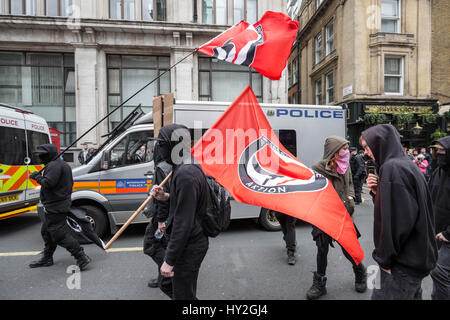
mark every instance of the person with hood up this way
{"type": "Point", "coordinates": [335, 167]}
{"type": "Point", "coordinates": [403, 231]}
{"type": "Point", "coordinates": [187, 198]}
{"type": "Point", "coordinates": [440, 194]}
{"type": "Point", "coordinates": [56, 190]}
{"type": "Point", "coordinates": [158, 211]}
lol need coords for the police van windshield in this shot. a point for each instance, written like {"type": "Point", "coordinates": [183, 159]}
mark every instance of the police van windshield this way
{"type": "Point", "coordinates": [13, 149]}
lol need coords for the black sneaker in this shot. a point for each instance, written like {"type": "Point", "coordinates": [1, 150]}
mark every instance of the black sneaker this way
{"type": "Point", "coordinates": [153, 283]}
{"type": "Point", "coordinates": [291, 258]}
{"type": "Point", "coordinates": [82, 261]}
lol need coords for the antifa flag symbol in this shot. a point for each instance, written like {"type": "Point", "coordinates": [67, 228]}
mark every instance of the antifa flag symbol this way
{"type": "Point", "coordinates": [281, 173]}
{"type": "Point", "coordinates": [264, 46]}
{"type": "Point", "coordinates": [246, 54]}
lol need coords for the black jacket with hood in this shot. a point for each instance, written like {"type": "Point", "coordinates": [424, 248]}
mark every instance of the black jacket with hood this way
{"type": "Point", "coordinates": [440, 191]}
{"type": "Point", "coordinates": [56, 180]}
{"type": "Point", "coordinates": [403, 233]}
{"type": "Point", "coordinates": [187, 193]}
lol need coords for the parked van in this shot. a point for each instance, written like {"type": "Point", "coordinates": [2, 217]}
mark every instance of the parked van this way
{"type": "Point", "coordinates": [115, 182]}
{"type": "Point", "coordinates": [21, 132]}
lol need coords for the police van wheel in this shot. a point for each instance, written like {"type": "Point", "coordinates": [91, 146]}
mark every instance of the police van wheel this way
{"type": "Point", "coordinates": [268, 220]}
{"type": "Point", "coordinates": [98, 219]}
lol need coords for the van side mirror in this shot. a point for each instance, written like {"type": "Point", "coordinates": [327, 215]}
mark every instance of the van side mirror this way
{"type": "Point", "coordinates": [105, 160]}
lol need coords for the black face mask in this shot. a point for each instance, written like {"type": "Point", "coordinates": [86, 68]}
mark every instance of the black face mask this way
{"type": "Point", "coordinates": [45, 158]}
{"type": "Point", "coordinates": [442, 160]}
{"type": "Point", "coordinates": [164, 152]}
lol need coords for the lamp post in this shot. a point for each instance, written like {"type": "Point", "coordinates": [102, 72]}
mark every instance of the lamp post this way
{"type": "Point", "coordinates": [417, 129]}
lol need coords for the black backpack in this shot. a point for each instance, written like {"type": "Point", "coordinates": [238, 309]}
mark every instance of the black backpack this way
{"type": "Point", "coordinates": [218, 209]}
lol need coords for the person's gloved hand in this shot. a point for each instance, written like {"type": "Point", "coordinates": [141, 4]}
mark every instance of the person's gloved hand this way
{"type": "Point", "coordinates": [35, 175]}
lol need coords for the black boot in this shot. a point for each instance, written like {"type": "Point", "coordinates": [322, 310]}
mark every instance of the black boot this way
{"type": "Point", "coordinates": [82, 259]}
{"type": "Point", "coordinates": [360, 278]}
{"type": "Point", "coordinates": [45, 261]}
{"type": "Point", "coordinates": [318, 288]}
{"type": "Point", "coordinates": [291, 257]}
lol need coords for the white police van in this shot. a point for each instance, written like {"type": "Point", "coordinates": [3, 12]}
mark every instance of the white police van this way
{"type": "Point", "coordinates": [115, 182]}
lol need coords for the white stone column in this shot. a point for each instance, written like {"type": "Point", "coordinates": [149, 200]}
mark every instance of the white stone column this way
{"type": "Point", "coordinates": [86, 94]}
{"type": "Point", "coordinates": [182, 74]}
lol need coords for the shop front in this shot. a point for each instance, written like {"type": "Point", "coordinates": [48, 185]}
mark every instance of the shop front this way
{"type": "Point", "coordinates": [415, 121]}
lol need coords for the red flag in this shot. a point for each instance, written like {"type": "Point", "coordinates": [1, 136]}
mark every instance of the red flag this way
{"type": "Point", "coordinates": [243, 154]}
{"type": "Point", "coordinates": [264, 46]}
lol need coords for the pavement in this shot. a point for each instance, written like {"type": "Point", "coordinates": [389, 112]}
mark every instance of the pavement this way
{"type": "Point", "coordinates": [243, 263]}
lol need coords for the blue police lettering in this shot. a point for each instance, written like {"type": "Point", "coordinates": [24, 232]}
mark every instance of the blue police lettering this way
{"type": "Point", "coordinates": [299, 113]}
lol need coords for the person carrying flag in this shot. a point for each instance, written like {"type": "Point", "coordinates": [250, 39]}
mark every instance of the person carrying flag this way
{"type": "Point", "coordinates": [335, 167]}
{"type": "Point", "coordinates": [56, 190]}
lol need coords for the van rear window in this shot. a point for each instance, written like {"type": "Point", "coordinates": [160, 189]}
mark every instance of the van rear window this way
{"type": "Point", "coordinates": [12, 146]}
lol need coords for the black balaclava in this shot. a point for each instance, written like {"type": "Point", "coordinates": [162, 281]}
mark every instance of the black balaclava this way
{"type": "Point", "coordinates": [46, 153]}
{"type": "Point", "coordinates": [443, 160]}
{"type": "Point", "coordinates": [174, 143]}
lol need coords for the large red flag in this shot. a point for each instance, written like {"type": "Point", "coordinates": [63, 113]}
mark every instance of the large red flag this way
{"type": "Point", "coordinates": [264, 46]}
{"type": "Point", "coordinates": [243, 154]}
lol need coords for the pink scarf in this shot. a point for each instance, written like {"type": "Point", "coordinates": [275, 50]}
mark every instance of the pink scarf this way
{"type": "Point", "coordinates": [342, 162]}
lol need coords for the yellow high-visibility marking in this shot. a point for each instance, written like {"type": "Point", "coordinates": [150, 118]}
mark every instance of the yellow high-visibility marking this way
{"type": "Point", "coordinates": [34, 253]}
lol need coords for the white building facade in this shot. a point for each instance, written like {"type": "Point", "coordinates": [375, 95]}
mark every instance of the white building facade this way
{"type": "Point", "coordinates": [72, 61]}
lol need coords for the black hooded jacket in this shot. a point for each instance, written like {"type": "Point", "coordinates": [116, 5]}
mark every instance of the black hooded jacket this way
{"type": "Point", "coordinates": [187, 192]}
{"type": "Point", "coordinates": [56, 181]}
{"type": "Point", "coordinates": [440, 192]}
{"type": "Point", "coordinates": [403, 233]}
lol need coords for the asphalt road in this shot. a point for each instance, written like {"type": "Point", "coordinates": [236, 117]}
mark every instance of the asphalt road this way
{"type": "Point", "coordinates": [243, 263]}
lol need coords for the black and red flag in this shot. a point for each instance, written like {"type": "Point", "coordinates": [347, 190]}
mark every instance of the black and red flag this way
{"type": "Point", "coordinates": [264, 46]}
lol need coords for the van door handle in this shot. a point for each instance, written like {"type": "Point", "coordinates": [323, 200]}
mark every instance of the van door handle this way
{"type": "Point", "coordinates": [149, 173]}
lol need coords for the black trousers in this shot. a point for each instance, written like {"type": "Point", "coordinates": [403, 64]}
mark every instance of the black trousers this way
{"type": "Point", "coordinates": [441, 275]}
{"type": "Point", "coordinates": [187, 267]}
{"type": "Point", "coordinates": [357, 185]}
{"type": "Point", "coordinates": [398, 286]}
{"type": "Point", "coordinates": [288, 227]}
{"type": "Point", "coordinates": [55, 231]}
{"type": "Point", "coordinates": [323, 243]}
{"type": "Point", "coordinates": [156, 249]}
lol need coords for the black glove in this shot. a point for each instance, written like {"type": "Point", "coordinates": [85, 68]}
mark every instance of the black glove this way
{"type": "Point", "coordinates": [35, 175]}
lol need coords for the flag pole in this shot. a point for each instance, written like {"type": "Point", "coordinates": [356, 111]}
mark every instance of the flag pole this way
{"type": "Point", "coordinates": [119, 106]}
{"type": "Point", "coordinates": [143, 205]}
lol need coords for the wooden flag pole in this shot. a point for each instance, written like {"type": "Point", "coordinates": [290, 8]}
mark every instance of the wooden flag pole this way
{"type": "Point", "coordinates": [143, 205]}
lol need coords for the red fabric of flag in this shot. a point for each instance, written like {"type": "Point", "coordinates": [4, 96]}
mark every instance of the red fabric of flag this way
{"type": "Point", "coordinates": [264, 46]}
{"type": "Point", "coordinates": [243, 154]}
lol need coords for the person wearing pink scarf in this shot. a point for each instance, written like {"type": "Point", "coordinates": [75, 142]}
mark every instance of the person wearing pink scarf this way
{"type": "Point", "coordinates": [335, 167]}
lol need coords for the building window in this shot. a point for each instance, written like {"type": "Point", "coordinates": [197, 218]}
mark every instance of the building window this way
{"type": "Point", "coordinates": [329, 34]}
{"type": "Point", "coordinates": [318, 48]}
{"type": "Point", "coordinates": [223, 81]}
{"type": "Point", "coordinates": [319, 91]}
{"type": "Point", "coordinates": [214, 11]}
{"type": "Point", "coordinates": [295, 70]}
{"type": "Point", "coordinates": [25, 7]}
{"type": "Point", "coordinates": [393, 75]}
{"type": "Point", "coordinates": [58, 8]}
{"type": "Point", "coordinates": [330, 87]}
{"type": "Point", "coordinates": [127, 74]}
{"type": "Point", "coordinates": [245, 10]}
{"type": "Point", "coordinates": [121, 9]}
{"type": "Point", "coordinates": [154, 10]}
{"type": "Point", "coordinates": [390, 16]}
{"type": "Point", "coordinates": [43, 83]}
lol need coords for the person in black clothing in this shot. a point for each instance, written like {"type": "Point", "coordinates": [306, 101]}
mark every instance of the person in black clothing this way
{"type": "Point", "coordinates": [56, 189]}
{"type": "Point", "coordinates": [188, 244]}
{"type": "Point", "coordinates": [158, 211]}
{"type": "Point", "coordinates": [440, 193]}
{"type": "Point", "coordinates": [404, 236]}
{"type": "Point", "coordinates": [358, 169]}
{"type": "Point", "coordinates": [287, 224]}
{"type": "Point", "coordinates": [83, 156]}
